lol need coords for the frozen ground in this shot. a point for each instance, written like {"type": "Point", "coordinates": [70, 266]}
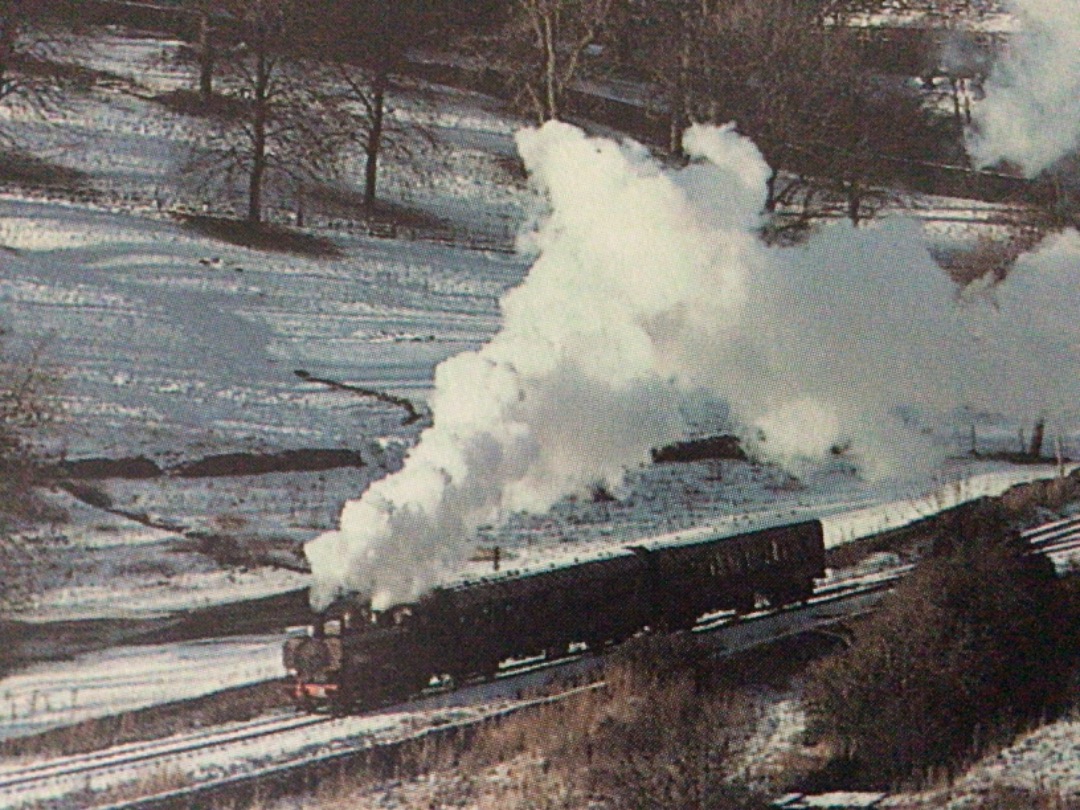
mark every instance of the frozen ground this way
{"type": "Point", "coordinates": [1047, 759]}
{"type": "Point", "coordinates": [173, 346]}
{"type": "Point", "coordinates": [175, 359]}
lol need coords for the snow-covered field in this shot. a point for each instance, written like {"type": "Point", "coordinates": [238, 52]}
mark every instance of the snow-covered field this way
{"type": "Point", "coordinates": [983, 16]}
{"type": "Point", "coordinates": [173, 346]}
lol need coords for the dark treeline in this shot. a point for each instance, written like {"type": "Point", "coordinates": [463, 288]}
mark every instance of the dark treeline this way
{"type": "Point", "coordinates": [791, 74]}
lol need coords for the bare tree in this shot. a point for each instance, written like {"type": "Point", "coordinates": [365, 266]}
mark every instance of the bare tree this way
{"type": "Point", "coordinates": [777, 72]}
{"type": "Point", "coordinates": [543, 49]}
{"type": "Point", "coordinates": [667, 44]}
{"type": "Point", "coordinates": [778, 69]}
{"type": "Point", "coordinates": [33, 69]}
{"type": "Point", "coordinates": [768, 65]}
{"type": "Point", "coordinates": [29, 409]}
{"type": "Point", "coordinates": [279, 129]}
{"type": "Point", "coordinates": [205, 46]}
{"type": "Point", "coordinates": [367, 42]}
{"type": "Point", "coordinates": [17, 47]}
{"type": "Point", "coordinates": [676, 735]}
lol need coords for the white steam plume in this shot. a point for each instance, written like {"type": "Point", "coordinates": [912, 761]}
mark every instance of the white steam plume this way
{"type": "Point", "coordinates": [652, 287]}
{"type": "Point", "coordinates": [573, 389]}
{"type": "Point", "coordinates": [1031, 113]}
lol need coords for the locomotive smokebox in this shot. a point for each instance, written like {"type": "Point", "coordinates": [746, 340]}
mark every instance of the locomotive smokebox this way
{"type": "Point", "coordinates": [312, 659]}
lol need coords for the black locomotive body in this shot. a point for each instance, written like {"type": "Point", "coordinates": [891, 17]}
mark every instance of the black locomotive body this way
{"type": "Point", "coordinates": [357, 658]}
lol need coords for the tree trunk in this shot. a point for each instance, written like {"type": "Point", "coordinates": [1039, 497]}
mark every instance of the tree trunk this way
{"type": "Point", "coordinates": [260, 113]}
{"type": "Point", "coordinates": [379, 83]}
{"type": "Point", "coordinates": [255, 182]}
{"type": "Point", "coordinates": [9, 31]}
{"type": "Point", "coordinates": [854, 202]}
{"type": "Point", "coordinates": [374, 139]}
{"type": "Point", "coordinates": [1037, 439]}
{"type": "Point", "coordinates": [551, 97]}
{"type": "Point", "coordinates": [770, 191]}
{"type": "Point", "coordinates": [681, 101]}
{"type": "Point", "coordinates": [206, 57]}
{"type": "Point", "coordinates": [680, 119]}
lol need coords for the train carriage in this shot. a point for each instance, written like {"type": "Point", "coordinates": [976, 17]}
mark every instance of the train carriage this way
{"type": "Point", "coordinates": [357, 658]}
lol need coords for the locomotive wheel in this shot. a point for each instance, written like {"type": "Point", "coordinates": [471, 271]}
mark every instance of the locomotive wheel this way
{"type": "Point", "coordinates": [744, 601]}
{"type": "Point", "coordinates": [337, 705]}
{"type": "Point", "coordinates": [790, 593]}
{"type": "Point", "coordinates": [678, 620]}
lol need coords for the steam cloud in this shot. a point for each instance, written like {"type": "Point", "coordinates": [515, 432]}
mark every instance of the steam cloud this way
{"type": "Point", "coordinates": [1031, 114]}
{"type": "Point", "coordinates": [652, 288]}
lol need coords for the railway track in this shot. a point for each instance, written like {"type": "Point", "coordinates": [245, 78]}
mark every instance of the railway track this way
{"type": "Point", "coordinates": [1059, 540]}
{"type": "Point", "coordinates": [40, 781]}
{"type": "Point", "coordinates": [316, 739]}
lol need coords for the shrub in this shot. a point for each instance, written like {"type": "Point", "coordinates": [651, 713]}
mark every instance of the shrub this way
{"type": "Point", "coordinates": [965, 652]}
{"type": "Point", "coordinates": [676, 749]}
{"type": "Point", "coordinates": [27, 407]}
{"type": "Point", "coordinates": [661, 734]}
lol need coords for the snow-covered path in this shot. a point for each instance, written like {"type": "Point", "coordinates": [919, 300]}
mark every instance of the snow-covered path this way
{"type": "Point", "coordinates": [125, 678]}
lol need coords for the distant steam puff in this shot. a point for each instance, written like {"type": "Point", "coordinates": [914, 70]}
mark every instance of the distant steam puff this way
{"type": "Point", "coordinates": [1031, 113]}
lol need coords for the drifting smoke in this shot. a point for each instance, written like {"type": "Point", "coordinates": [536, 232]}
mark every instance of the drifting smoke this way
{"type": "Point", "coordinates": [1031, 114]}
{"type": "Point", "coordinates": [652, 288]}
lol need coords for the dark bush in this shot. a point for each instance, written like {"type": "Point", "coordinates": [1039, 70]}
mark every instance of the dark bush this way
{"type": "Point", "coordinates": [700, 450]}
{"type": "Point", "coordinates": [191, 102]}
{"type": "Point", "coordinates": [24, 169]}
{"type": "Point", "coordinates": [966, 651]}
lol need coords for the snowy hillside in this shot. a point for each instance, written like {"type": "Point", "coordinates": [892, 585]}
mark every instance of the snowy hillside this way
{"type": "Point", "coordinates": [177, 347]}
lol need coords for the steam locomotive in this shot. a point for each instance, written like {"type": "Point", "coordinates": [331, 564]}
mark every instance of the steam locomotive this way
{"type": "Point", "coordinates": [357, 658]}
